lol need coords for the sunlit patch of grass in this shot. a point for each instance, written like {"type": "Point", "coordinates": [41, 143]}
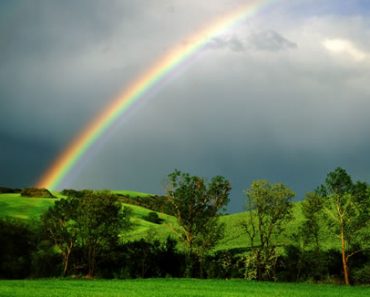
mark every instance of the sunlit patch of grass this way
{"type": "Point", "coordinates": [131, 193]}
{"type": "Point", "coordinates": [25, 208]}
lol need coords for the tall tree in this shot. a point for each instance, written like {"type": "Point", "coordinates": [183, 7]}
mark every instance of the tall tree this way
{"type": "Point", "coordinates": [311, 207]}
{"type": "Point", "coordinates": [309, 236]}
{"type": "Point", "coordinates": [346, 206]}
{"type": "Point", "coordinates": [268, 209]}
{"type": "Point", "coordinates": [100, 218]}
{"type": "Point", "coordinates": [197, 205]}
{"type": "Point", "coordinates": [60, 227]}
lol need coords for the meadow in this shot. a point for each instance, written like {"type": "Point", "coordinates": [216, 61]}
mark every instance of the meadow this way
{"type": "Point", "coordinates": [172, 288]}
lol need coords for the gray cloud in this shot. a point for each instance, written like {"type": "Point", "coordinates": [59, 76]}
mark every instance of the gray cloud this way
{"type": "Point", "coordinates": [265, 41]}
{"type": "Point", "coordinates": [270, 41]}
{"type": "Point", "coordinates": [242, 112]}
{"type": "Point", "coordinates": [234, 44]}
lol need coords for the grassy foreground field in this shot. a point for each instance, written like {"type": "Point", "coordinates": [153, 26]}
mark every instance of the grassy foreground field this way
{"type": "Point", "coordinates": [172, 288]}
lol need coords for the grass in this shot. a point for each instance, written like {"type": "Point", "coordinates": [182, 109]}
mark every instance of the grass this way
{"type": "Point", "coordinates": [144, 229]}
{"type": "Point", "coordinates": [172, 288]}
{"type": "Point", "coordinates": [131, 193]}
{"type": "Point", "coordinates": [30, 209]}
{"type": "Point", "coordinates": [16, 206]}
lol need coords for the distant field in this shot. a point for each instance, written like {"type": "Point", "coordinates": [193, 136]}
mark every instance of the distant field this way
{"type": "Point", "coordinates": [13, 205]}
{"type": "Point", "coordinates": [131, 193]}
{"type": "Point", "coordinates": [172, 288]}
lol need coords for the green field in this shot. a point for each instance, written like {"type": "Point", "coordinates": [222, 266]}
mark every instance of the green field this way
{"type": "Point", "coordinates": [172, 288]}
{"type": "Point", "coordinates": [131, 193]}
{"type": "Point", "coordinates": [13, 205]}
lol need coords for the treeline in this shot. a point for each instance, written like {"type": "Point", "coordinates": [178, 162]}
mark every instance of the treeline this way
{"type": "Point", "coordinates": [154, 202]}
{"type": "Point", "coordinates": [82, 235]}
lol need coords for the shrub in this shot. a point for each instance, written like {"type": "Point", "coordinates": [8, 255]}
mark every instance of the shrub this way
{"type": "Point", "coordinates": [362, 275]}
{"type": "Point", "coordinates": [37, 192]}
{"type": "Point", "coordinates": [154, 218]}
{"type": "Point", "coordinates": [16, 248]}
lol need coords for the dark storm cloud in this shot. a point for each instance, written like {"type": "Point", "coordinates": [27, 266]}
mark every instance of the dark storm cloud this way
{"type": "Point", "coordinates": [45, 86]}
{"type": "Point", "coordinates": [255, 108]}
{"type": "Point", "coordinates": [22, 159]}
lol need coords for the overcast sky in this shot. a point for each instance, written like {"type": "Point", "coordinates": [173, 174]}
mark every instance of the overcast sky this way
{"type": "Point", "coordinates": [284, 96]}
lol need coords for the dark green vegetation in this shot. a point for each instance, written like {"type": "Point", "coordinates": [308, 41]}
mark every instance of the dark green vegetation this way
{"type": "Point", "coordinates": [35, 192]}
{"type": "Point", "coordinates": [172, 288]}
{"type": "Point", "coordinates": [104, 234]}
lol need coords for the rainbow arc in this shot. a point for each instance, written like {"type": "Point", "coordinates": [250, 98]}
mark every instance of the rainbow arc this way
{"type": "Point", "coordinates": [161, 69]}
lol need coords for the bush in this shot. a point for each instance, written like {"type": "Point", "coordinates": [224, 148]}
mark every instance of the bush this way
{"type": "Point", "coordinates": [16, 248]}
{"type": "Point", "coordinates": [362, 275]}
{"type": "Point", "coordinates": [36, 192]}
{"type": "Point", "coordinates": [6, 190]}
{"type": "Point", "coordinates": [46, 262]}
{"type": "Point", "coordinates": [154, 218]}
{"type": "Point", "coordinates": [225, 265]}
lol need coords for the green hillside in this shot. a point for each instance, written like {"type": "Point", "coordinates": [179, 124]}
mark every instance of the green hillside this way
{"type": "Point", "coordinates": [131, 193]}
{"type": "Point", "coordinates": [16, 206]}
{"type": "Point", "coordinates": [142, 228]}
{"type": "Point", "coordinates": [26, 208]}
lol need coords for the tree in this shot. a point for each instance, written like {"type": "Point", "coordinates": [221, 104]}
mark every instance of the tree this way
{"type": "Point", "coordinates": [100, 218]}
{"type": "Point", "coordinates": [269, 207]}
{"type": "Point", "coordinates": [60, 226]}
{"type": "Point", "coordinates": [310, 234]}
{"type": "Point", "coordinates": [346, 206]}
{"type": "Point", "coordinates": [92, 222]}
{"type": "Point", "coordinates": [197, 205]}
{"type": "Point", "coordinates": [311, 207]}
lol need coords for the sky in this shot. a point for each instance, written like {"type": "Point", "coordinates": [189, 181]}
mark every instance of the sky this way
{"type": "Point", "coordinates": [282, 96]}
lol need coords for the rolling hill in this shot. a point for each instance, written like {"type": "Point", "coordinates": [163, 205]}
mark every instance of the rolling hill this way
{"type": "Point", "coordinates": [30, 209]}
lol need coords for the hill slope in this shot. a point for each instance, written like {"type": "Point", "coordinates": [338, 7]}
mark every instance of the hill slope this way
{"type": "Point", "coordinates": [13, 205]}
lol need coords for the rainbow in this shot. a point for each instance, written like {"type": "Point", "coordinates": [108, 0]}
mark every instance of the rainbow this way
{"type": "Point", "coordinates": [64, 163]}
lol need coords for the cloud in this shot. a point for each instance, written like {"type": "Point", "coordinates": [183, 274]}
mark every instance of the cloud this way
{"type": "Point", "coordinates": [343, 46]}
{"type": "Point", "coordinates": [270, 41]}
{"type": "Point", "coordinates": [262, 41]}
{"type": "Point", "coordinates": [258, 107]}
{"type": "Point", "coordinates": [233, 43]}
